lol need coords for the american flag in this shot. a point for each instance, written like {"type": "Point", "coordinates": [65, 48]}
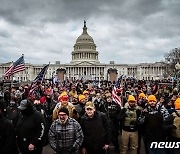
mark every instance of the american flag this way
{"type": "Point", "coordinates": [38, 79]}
{"type": "Point", "coordinates": [8, 72]}
{"type": "Point", "coordinates": [114, 92]}
{"type": "Point", "coordinates": [15, 67]}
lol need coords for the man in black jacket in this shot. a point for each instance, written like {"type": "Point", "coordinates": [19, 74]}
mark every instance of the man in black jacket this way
{"type": "Point", "coordinates": [153, 119]}
{"type": "Point", "coordinates": [7, 135]}
{"type": "Point", "coordinates": [112, 110]}
{"type": "Point", "coordinates": [30, 129]}
{"type": "Point", "coordinates": [96, 129]}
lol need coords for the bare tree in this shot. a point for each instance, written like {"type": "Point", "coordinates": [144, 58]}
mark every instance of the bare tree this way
{"type": "Point", "coordinates": [171, 59]}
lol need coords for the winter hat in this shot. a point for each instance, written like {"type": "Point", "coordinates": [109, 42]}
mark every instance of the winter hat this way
{"type": "Point", "coordinates": [131, 98]}
{"type": "Point", "coordinates": [64, 98]}
{"type": "Point", "coordinates": [64, 93]}
{"type": "Point", "coordinates": [89, 105]}
{"type": "Point", "coordinates": [64, 109]}
{"type": "Point", "coordinates": [152, 98]}
{"type": "Point", "coordinates": [177, 104]}
{"type": "Point", "coordinates": [142, 95]}
{"type": "Point", "coordinates": [81, 97]}
{"type": "Point", "coordinates": [85, 92]}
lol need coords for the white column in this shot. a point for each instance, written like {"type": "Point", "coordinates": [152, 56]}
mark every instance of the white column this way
{"type": "Point", "coordinates": [99, 72]}
{"type": "Point", "coordinates": [96, 71]}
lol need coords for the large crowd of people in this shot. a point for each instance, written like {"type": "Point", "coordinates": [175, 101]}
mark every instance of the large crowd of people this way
{"type": "Point", "coordinates": [82, 117]}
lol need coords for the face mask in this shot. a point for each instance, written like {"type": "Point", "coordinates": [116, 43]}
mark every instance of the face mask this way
{"type": "Point", "coordinates": [12, 103]}
{"type": "Point", "coordinates": [27, 111]}
{"type": "Point", "coordinates": [24, 112]}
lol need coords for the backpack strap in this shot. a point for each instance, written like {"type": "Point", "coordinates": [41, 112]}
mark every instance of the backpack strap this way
{"type": "Point", "coordinates": [177, 113]}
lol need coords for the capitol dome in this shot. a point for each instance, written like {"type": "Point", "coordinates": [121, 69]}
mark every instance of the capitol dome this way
{"type": "Point", "coordinates": [84, 37]}
{"type": "Point", "coordinates": [85, 48]}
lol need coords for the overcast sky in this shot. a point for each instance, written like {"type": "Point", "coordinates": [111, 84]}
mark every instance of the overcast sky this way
{"type": "Point", "coordinates": [126, 31]}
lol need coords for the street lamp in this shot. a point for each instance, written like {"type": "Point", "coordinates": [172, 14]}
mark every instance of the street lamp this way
{"type": "Point", "coordinates": [177, 67]}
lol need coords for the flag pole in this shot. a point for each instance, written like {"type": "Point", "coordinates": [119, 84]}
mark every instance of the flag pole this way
{"type": "Point", "coordinates": [11, 80]}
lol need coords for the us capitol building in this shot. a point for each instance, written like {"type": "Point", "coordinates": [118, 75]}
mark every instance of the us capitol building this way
{"type": "Point", "coordinates": [85, 63]}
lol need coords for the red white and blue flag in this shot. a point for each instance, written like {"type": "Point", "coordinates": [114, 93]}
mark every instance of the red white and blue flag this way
{"type": "Point", "coordinates": [38, 80]}
{"type": "Point", "coordinates": [15, 67]}
{"type": "Point", "coordinates": [115, 90]}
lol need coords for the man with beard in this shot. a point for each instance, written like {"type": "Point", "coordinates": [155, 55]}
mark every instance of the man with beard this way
{"type": "Point", "coordinates": [129, 120]}
{"type": "Point", "coordinates": [7, 134]}
{"type": "Point", "coordinates": [65, 134]}
{"type": "Point", "coordinates": [30, 129]}
{"type": "Point", "coordinates": [80, 106]}
{"type": "Point", "coordinates": [154, 120]}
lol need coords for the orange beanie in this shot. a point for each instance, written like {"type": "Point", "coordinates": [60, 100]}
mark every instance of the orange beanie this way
{"type": "Point", "coordinates": [177, 104]}
{"type": "Point", "coordinates": [142, 95]}
{"type": "Point", "coordinates": [131, 98]}
{"type": "Point", "coordinates": [152, 98]}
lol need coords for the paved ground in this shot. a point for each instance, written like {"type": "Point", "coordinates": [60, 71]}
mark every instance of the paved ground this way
{"type": "Point", "coordinates": [48, 150]}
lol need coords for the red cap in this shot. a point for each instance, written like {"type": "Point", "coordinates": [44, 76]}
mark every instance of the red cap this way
{"type": "Point", "coordinates": [48, 91]}
{"type": "Point", "coordinates": [64, 98]}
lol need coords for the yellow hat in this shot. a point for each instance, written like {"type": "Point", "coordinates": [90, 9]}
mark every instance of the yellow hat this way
{"type": "Point", "coordinates": [152, 98]}
{"type": "Point", "coordinates": [89, 105]}
{"type": "Point", "coordinates": [85, 92]}
{"type": "Point", "coordinates": [142, 95]}
{"type": "Point", "coordinates": [81, 97]}
{"type": "Point", "coordinates": [63, 94]}
{"type": "Point", "coordinates": [177, 104]}
{"type": "Point", "coordinates": [131, 98]}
